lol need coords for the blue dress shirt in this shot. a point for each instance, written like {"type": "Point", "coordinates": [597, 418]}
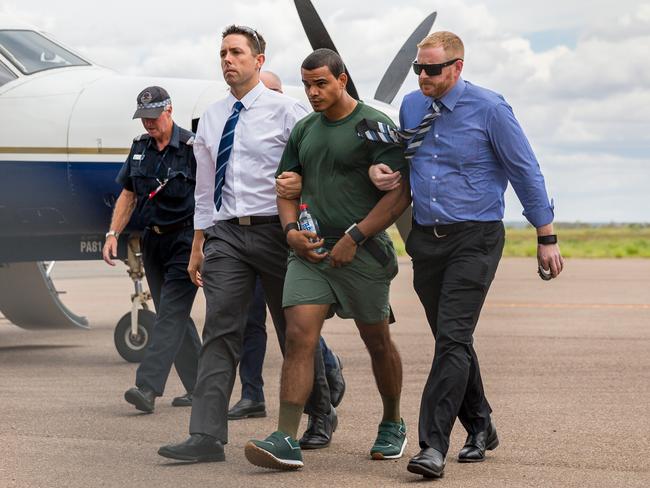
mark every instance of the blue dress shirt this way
{"type": "Point", "coordinates": [473, 149]}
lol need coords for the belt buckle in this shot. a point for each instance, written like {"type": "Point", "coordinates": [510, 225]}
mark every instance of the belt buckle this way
{"type": "Point", "coordinates": [244, 220]}
{"type": "Point", "coordinates": [156, 229]}
{"type": "Point", "coordinates": [435, 232]}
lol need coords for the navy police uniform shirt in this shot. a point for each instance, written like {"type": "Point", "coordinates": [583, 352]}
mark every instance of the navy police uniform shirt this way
{"type": "Point", "coordinates": [163, 181]}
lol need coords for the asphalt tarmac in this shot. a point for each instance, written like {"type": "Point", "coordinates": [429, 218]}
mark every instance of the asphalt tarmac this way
{"type": "Point", "coordinates": [566, 367]}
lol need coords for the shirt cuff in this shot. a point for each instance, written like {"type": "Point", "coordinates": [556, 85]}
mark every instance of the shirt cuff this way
{"type": "Point", "coordinates": [202, 222]}
{"type": "Point", "coordinates": [540, 216]}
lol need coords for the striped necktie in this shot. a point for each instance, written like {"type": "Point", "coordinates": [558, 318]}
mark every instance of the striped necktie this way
{"type": "Point", "coordinates": [225, 148]}
{"type": "Point", "coordinates": [411, 138]}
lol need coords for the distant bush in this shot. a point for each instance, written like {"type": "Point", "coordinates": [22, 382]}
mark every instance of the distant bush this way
{"type": "Point", "coordinates": [576, 241]}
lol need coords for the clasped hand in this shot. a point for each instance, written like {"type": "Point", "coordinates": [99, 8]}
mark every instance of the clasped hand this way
{"type": "Point", "coordinates": [301, 241]}
{"type": "Point", "coordinates": [305, 243]}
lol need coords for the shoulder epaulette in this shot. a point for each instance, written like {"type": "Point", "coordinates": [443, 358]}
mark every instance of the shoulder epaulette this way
{"type": "Point", "coordinates": [141, 137]}
{"type": "Point", "coordinates": [187, 137]}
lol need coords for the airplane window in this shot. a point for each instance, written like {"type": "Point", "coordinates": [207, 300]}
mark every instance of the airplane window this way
{"type": "Point", "coordinates": [6, 75]}
{"type": "Point", "coordinates": [30, 52]}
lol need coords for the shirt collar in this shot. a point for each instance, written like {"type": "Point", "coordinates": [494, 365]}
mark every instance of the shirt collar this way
{"type": "Point", "coordinates": [249, 99]}
{"type": "Point", "coordinates": [452, 96]}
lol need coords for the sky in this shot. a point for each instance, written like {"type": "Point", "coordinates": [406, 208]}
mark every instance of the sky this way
{"type": "Point", "coordinates": [575, 72]}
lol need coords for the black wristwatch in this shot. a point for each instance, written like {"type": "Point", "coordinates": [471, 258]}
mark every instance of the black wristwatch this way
{"type": "Point", "coordinates": [549, 239]}
{"type": "Point", "coordinates": [291, 226]}
{"type": "Point", "coordinates": [354, 232]}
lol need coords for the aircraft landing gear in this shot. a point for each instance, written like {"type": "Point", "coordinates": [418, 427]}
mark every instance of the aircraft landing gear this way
{"type": "Point", "coordinates": [133, 331]}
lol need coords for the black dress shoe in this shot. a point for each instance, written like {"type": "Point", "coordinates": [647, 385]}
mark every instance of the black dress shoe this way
{"type": "Point", "coordinates": [476, 444]}
{"type": "Point", "coordinates": [319, 431]}
{"type": "Point", "coordinates": [182, 401]}
{"type": "Point", "coordinates": [336, 382]}
{"type": "Point", "coordinates": [198, 448]}
{"type": "Point", "coordinates": [246, 408]}
{"type": "Point", "coordinates": [429, 462]}
{"type": "Point", "coordinates": [143, 398]}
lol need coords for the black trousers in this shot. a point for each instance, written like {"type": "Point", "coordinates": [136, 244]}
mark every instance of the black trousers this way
{"type": "Point", "coordinates": [174, 339]}
{"type": "Point", "coordinates": [234, 256]}
{"type": "Point", "coordinates": [451, 276]}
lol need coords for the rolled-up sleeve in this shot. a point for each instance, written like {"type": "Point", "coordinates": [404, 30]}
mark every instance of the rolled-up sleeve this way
{"type": "Point", "coordinates": [520, 164]}
{"type": "Point", "coordinates": [204, 190]}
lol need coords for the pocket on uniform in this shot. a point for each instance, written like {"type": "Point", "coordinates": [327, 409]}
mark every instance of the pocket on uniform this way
{"type": "Point", "coordinates": [179, 185]}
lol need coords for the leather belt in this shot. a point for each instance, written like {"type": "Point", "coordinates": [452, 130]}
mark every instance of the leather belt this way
{"type": "Point", "coordinates": [255, 220]}
{"type": "Point", "coordinates": [166, 229]}
{"type": "Point", "coordinates": [444, 230]}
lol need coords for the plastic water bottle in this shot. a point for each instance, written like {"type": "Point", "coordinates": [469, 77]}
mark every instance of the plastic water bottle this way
{"type": "Point", "coordinates": [307, 222]}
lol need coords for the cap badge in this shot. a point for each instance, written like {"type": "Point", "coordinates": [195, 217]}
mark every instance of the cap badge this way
{"type": "Point", "coordinates": [146, 97]}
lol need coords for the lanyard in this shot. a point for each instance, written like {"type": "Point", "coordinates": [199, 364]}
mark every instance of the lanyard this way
{"type": "Point", "coordinates": [161, 183]}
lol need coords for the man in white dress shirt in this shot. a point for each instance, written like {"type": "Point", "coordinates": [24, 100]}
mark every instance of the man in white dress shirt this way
{"type": "Point", "coordinates": [238, 236]}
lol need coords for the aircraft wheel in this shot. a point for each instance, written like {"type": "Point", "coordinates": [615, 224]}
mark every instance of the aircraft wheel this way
{"type": "Point", "coordinates": [131, 347]}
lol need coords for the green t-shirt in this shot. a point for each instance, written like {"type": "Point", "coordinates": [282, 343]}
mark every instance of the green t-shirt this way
{"type": "Point", "coordinates": [333, 161]}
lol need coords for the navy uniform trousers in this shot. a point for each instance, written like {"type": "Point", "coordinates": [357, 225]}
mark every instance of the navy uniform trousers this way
{"type": "Point", "coordinates": [174, 339]}
{"type": "Point", "coordinates": [452, 276]}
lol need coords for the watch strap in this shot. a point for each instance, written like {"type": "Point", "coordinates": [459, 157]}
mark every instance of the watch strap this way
{"type": "Point", "coordinates": [549, 239]}
{"type": "Point", "coordinates": [291, 226]}
{"type": "Point", "coordinates": [354, 232]}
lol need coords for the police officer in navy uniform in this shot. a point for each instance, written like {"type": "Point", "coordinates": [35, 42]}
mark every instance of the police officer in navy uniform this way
{"type": "Point", "coordinates": [158, 180]}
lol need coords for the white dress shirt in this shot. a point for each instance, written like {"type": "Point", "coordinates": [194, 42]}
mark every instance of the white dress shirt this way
{"type": "Point", "coordinates": [261, 133]}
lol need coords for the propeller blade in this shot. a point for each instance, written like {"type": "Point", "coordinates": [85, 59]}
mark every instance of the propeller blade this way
{"type": "Point", "coordinates": [318, 35]}
{"type": "Point", "coordinates": [401, 65]}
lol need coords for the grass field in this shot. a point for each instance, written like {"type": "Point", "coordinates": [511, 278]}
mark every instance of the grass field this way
{"type": "Point", "coordinates": [576, 241]}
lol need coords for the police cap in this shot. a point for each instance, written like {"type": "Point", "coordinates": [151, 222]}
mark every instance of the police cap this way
{"type": "Point", "coordinates": [151, 102]}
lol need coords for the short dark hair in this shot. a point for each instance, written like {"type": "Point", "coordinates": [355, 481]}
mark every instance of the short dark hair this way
{"type": "Point", "coordinates": [325, 57]}
{"type": "Point", "coordinates": [255, 39]}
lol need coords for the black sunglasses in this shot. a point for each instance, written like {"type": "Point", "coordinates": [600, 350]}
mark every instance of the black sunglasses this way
{"type": "Point", "coordinates": [432, 69]}
{"type": "Point", "coordinates": [253, 33]}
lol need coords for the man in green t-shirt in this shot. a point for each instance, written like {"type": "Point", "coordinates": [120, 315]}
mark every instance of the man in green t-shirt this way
{"type": "Point", "coordinates": [352, 277]}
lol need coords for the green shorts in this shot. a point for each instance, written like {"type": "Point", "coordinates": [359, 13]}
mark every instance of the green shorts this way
{"type": "Point", "coordinates": [359, 290]}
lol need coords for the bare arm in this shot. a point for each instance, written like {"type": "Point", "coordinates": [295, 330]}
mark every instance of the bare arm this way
{"type": "Point", "coordinates": [196, 258]}
{"type": "Point", "coordinates": [299, 240]}
{"type": "Point", "coordinates": [387, 211]}
{"type": "Point", "coordinates": [121, 215]}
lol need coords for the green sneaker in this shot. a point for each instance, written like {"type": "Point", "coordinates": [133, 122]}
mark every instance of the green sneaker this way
{"type": "Point", "coordinates": [390, 442]}
{"type": "Point", "coordinates": [277, 451]}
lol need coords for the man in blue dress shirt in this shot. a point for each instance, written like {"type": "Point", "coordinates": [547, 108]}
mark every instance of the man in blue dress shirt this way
{"type": "Point", "coordinates": [458, 178]}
